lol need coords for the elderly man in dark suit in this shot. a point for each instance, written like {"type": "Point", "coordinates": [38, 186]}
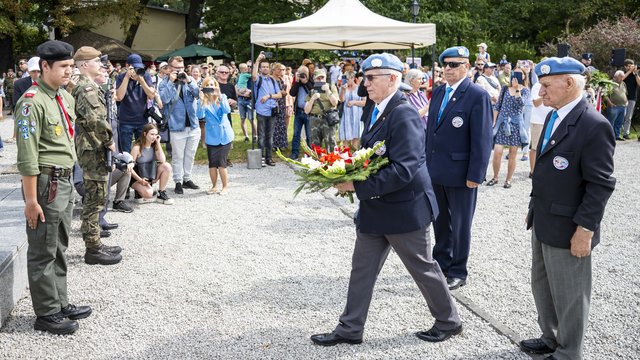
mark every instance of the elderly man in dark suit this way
{"type": "Point", "coordinates": [571, 186]}
{"type": "Point", "coordinates": [397, 205]}
{"type": "Point", "coordinates": [459, 141]}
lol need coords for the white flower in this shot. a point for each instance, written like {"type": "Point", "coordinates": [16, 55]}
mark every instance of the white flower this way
{"type": "Point", "coordinates": [310, 162]}
{"type": "Point", "coordinates": [337, 167]}
{"type": "Point", "coordinates": [361, 153]}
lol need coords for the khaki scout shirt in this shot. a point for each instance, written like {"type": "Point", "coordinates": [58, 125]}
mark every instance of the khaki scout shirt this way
{"type": "Point", "coordinates": [94, 132]}
{"type": "Point", "coordinates": [324, 99]}
{"type": "Point", "coordinates": [43, 137]}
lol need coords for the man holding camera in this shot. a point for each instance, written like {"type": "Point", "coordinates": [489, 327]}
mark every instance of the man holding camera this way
{"type": "Point", "coordinates": [632, 82]}
{"type": "Point", "coordinates": [321, 99]}
{"type": "Point", "coordinates": [302, 86]}
{"type": "Point", "coordinates": [133, 88]}
{"type": "Point", "coordinates": [94, 138]}
{"type": "Point", "coordinates": [179, 93]}
{"type": "Point", "coordinates": [266, 90]}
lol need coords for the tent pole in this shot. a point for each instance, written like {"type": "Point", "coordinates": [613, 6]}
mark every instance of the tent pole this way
{"type": "Point", "coordinates": [433, 68]}
{"type": "Point", "coordinates": [413, 56]}
{"type": "Point", "coordinates": [277, 53]}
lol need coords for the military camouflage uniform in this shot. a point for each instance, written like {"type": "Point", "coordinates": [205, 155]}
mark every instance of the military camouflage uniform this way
{"type": "Point", "coordinates": [43, 141]}
{"type": "Point", "coordinates": [320, 130]}
{"type": "Point", "coordinates": [93, 135]}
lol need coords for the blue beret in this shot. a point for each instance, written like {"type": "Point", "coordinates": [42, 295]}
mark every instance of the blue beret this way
{"type": "Point", "coordinates": [557, 66]}
{"type": "Point", "coordinates": [55, 50]}
{"type": "Point", "coordinates": [587, 56]}
{"type": "Point", "coordinates": [456, 51]}
{"type": "Point", "coordinates": [382, 61]}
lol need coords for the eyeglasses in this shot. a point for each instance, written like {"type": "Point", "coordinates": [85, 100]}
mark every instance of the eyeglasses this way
{"type": "Point", "coordinates": [222, 72]}
{"type": "Point", "coordinates": [452, 64]}
{"type": "Point", "coordinates": [370, 77]}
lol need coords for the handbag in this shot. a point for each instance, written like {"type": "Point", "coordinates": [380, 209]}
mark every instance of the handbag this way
{"type": "Point", "coordinates": [331, 116]}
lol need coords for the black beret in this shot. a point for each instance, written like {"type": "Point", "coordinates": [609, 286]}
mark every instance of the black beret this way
{"type": "Point", "coordinates": [55, 50]}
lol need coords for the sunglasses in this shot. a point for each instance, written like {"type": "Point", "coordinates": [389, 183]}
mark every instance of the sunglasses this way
{"type": "Point", "coordinates": [222, 72]}
{"type": "Point", "coordinates": [370, 77]}
{"type": "Point", "coordinates": [452, 64]}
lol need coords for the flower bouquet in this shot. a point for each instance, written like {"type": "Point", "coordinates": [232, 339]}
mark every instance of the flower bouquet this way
{"type": "Point", "coordinates": [321, 170]}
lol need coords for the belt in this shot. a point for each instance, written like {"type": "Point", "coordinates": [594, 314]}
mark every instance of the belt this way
{"type": "Point", "coordinates": [48, 170]}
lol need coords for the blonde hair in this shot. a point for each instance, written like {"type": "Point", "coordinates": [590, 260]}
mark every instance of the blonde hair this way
{"type": "Point", "coordinates": [208, 99]}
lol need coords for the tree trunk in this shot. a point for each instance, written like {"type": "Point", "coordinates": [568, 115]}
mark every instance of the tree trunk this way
{"type": "Point", "coordinates": [192, 23]}
{"type": "Point", "coordinates": [6, 49]}
{"type": "Point", "coordinates": [133, 28]}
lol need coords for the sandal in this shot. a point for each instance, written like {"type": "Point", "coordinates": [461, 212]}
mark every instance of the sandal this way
{"type": "Point", "coordinates": [507, 185]}
{"type": "Point", "coordinates": [492, 182]}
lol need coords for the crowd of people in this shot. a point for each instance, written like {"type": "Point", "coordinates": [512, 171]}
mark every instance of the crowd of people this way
{"type": "Point", "coordinates": [439, 125]}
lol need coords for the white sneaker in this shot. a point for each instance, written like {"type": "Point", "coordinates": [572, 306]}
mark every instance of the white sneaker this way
{"type": "Point", "coordinates": [163, 198]}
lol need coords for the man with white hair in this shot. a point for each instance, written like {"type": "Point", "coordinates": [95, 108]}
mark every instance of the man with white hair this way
{"type": "Point", "coordinates": [23, 84]}
{"type": "Point", "coordinates": [397, 205]}
{"type": "Point", "coordinates": [571, 186]}
{"type": "Point", "coordinates": [617, 102]}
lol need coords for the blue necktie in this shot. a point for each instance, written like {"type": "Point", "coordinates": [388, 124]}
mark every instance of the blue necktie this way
{"type": "Point", "coordinates": [547, 131]}
{"type": "Point", "coordinates": [374, 116]}
{"type": "Point", "coordinates": [444, 102]}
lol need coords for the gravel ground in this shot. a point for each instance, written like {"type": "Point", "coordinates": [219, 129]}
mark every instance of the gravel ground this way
{"type": "Point", "coordinates": [252, 274]}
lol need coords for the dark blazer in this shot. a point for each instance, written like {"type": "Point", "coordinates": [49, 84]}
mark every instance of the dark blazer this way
{"type": "Point", "coordinates": [20, 87]}
{"type": "Point", "coordinates": [399, 198]}
{"type": "Point", "coordinates": [572, 181]}
{"type": "Point", "coordinates": [457, 154]}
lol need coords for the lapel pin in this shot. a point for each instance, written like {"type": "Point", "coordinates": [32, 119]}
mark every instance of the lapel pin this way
{"type": "Point", "coordinates": [553, 142]}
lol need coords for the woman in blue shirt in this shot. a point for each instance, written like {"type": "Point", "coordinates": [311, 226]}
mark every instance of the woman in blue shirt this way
{"type": "Point", "coordinates": [214, 108]}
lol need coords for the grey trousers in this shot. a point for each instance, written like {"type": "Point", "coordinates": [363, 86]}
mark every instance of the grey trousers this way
{"type": "Point", "coordinates": [627, 117]}
{"type": "Point", "coordinates": [561, 286]}
{"type": "Point", "coordinates": [369, 255]}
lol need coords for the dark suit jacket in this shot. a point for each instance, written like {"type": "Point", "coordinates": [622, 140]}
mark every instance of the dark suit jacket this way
{"type": "Point", "coordinates": [399, 198]}
{"type": "Point", "coordinates": [572, 182]}
{"type": "Point", "coordinates": [457, 154]}
{"type": "Point", "coordinates": [20, 87]}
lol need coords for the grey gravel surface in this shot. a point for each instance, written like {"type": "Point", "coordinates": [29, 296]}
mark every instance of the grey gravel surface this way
{"type": "Point", "coordinates": [254, 273]}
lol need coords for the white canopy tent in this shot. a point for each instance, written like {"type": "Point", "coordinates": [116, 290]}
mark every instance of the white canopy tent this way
{"type": "Point", "coordinates": [344, 24]}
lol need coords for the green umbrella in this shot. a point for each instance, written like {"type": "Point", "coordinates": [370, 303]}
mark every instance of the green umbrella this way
{"type": "Point", "coordinates": [195, 52]}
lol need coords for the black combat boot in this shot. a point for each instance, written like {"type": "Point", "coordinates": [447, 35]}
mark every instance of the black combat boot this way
{"type": "Point", "coordinates": [76, 312]}
{"type": "Point", "coordinates": [56, 324]}
{"type": "Point", "coordinates": [98, 255]}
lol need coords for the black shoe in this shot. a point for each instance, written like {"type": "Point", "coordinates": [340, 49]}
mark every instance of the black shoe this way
{"type": "Point", "coordinates": [330, 339]}
{"type": "Point", "coordinates": [620, 139]}
{"type": "Point", "coordinates": [190, 185]}
{"type": "Point", "coordinates": [76, 312]}
{"type": "Point", "coordinates": [178, 189]}
{"type": "Point", "coordinates": [122, 207]}
{"type": "Point", "coordinates": [56, 324]}
{"type": "Point", "coordinates": [246, 140]}
{"type": "Point", "coordinates": [270, 163]}
{"type": "Point", "coordinates": [109, 226]}
{"type": "Point", "coordinates": [100, 256]}
{"type": "Point", "coordinates": [535, 346]}
{"type": "Point", "coordinates": [436, 335]}
{"type": "Point", "coordinates": [111, 249]}
{"type": "Point", "coordinates": [105, 233]}
{"type": "Point", "coordinates": [626, 136]}
{"type": "Point", "coordinates": [455, 283]}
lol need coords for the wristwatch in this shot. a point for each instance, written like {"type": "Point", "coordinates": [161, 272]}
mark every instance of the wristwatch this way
{"type": "Point", "coordinates": [270, 96]}
{"type": "Point", "coordinates": [585, 229]}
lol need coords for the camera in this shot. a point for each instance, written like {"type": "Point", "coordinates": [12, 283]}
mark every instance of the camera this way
{"type": "Point", "coordinates": [181, 76]}
{"type": "Point", "coordinates": [302, 76]}
{"type": "Point", "coordinates": [318, 86]}
{"type": "Point", "coordinates": [268, 54]}
{"type": "Point", "coordinates": [140, 71]}
{"type": "Point", "coordinates": [120, 164]}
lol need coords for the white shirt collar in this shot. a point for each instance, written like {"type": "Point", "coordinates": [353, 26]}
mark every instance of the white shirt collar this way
{"type": "Point", "coordinates": [383, 104]}
{"type": "Point", "coordinates": [455, 86]}
{"type": "Point", "coordinates": [564, 111]}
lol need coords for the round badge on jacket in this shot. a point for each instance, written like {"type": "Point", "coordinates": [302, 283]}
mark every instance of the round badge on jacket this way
{"type": "Point", "coordinates": [457, 122]}
{"type": "Point", "coordinates": [381, 150]}
{"type": "Point", "coordinates": [560, 163]}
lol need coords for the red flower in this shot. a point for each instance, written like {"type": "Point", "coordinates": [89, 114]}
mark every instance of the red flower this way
{"type": "Point", "coordinates": [366, 163]}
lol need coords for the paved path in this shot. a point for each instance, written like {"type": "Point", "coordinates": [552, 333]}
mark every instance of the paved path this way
{"type": "Point", "coordinates": [251, 275]}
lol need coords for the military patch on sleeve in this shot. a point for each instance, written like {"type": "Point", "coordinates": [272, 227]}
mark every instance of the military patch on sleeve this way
{"type": "Point", "coordinates": [30, 93]}
{"type": "Point", "coordinates": [25, 109]}
{"type": "Point", "coordinates": [88, 88]}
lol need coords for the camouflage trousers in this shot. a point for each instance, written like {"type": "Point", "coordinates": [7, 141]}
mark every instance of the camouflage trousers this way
{"type": "Point", "coordinates": [94, 198]}
{"type": "Point", "coordinates": [322, 132]}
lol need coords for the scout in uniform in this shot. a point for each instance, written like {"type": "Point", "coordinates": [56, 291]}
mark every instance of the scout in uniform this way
{"type": "Point", "coordinates": [93, 138]}
{"type": "Point", "coordinates": [46, 154]}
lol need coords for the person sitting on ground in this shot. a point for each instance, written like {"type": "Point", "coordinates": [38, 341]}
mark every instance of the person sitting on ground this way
{"type": "Point", "coordinates": [219, 134]}
{"type": "Point", "coordinates": [146, 150]}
